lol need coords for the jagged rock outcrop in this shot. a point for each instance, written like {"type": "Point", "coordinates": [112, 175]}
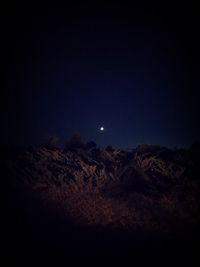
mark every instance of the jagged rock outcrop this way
{"type": "Point", "coordinates": [146, 187]}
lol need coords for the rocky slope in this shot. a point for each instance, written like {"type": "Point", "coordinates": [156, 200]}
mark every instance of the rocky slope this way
{"type": "Point", "coordinates": [150, 188]}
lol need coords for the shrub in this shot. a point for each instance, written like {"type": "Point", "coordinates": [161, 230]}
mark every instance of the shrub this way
{"type": "Point", "coordinates": [91, 145]}
{"type": "Point", "coordinates": [50, 142]}
{"type": "Point", "coordinates": [109, 148]}
{"type": "Point", "coordinates": [96, 153]}
{"type": "Point", "coordinates": [75, 142]}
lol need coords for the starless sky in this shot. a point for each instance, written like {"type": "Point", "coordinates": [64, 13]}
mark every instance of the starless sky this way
{"type": "Point", "coordinates": [130, 69]}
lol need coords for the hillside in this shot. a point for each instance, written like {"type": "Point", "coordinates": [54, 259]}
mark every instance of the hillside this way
{"type": "Point", "coordinates": [126, 194]}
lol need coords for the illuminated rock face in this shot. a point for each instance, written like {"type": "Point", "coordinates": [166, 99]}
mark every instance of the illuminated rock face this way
{"type": "Point", "coordinates": [142, 188]}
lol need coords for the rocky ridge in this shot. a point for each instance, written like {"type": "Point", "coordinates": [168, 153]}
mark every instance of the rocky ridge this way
{"type": "Point", "coordinates": [150, 187]}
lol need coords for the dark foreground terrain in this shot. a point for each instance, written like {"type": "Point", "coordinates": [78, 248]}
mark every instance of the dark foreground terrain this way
{"type": "Point", "coordinates": [83, 204]}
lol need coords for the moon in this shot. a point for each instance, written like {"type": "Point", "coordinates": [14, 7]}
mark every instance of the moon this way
{"type": "Point", "coordinates": [101, 128]}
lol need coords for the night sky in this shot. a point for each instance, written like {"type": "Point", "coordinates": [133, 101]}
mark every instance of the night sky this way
{"type": "Point", "coordinates": [76, 68]}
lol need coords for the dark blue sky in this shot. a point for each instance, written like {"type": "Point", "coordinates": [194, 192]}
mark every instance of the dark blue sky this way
{"type": "Point", "coordinates": [75, 68]}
